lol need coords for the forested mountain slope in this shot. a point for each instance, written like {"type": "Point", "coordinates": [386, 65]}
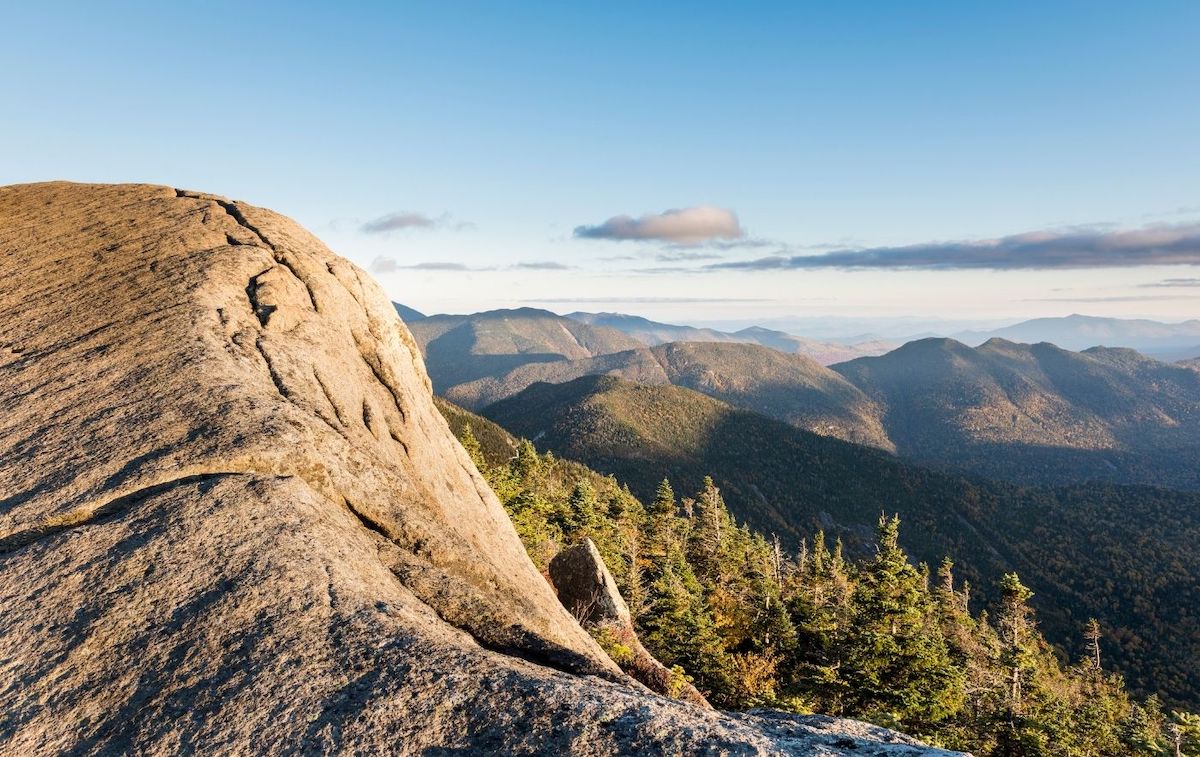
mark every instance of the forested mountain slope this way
{"type": "Point", "coordinates": [1125, 554]}
{"type": "Point", "coordinates": [462, 348]}
{"type": "Point", "coordinates": [789, 387]}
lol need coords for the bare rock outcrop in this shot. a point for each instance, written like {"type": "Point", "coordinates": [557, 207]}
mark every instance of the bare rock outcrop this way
{"type": "Point", "coordinates": [232, 521]}
{"type": "Point", "coordinates": [586, 588]}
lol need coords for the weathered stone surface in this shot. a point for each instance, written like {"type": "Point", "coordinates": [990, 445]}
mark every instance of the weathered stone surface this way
{"type": "Point", "coordinates": [232, 521]}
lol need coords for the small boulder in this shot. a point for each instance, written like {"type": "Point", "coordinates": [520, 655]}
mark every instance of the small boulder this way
{"type": "Point", "coordinates": [587, 589]}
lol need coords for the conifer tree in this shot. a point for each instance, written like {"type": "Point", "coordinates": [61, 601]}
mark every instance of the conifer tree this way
{"type": "Point", "coordinates": [1091, 640]}
{"type": "Point", "coordinates": [898, 662]}
{"type": "Point", "coordinates": [664, 500]}
{"type": "Point", "coordinates": [474, 451]}
{"type": "Point", "coordinates": [581, 514]}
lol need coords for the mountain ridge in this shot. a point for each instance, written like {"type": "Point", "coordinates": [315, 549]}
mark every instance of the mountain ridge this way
{"type": "Point", "coordinates": [1036, 413]}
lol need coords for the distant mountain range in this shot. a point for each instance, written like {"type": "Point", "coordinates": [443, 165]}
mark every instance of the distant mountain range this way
{"type": "Point", "coordinates": [1085, 549]}
{"type": "Point", "coordinates": [462, 348]}
{"type": "Point", "coordinates": [1168, 341]}
{"type": "Point", "coordinates": [479, 359]}
{"type": "Point", "coordinates": [1034, 414]}
{"type": "Point", "coordinates": [654, 333]}
{"type": "Point", "coordinates": [1037, 413]}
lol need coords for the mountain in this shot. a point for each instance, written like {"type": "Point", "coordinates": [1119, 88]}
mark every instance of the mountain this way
{"type": "Point", "coordinates": [463, 348]}
{"type": "Point", "coordinates": [1194, 363]}
{"type": "Point", "coordinates": [1028, 413]}
{"type": "Point", "coordinates": [475, 360]}
{"type": "Point", "coordinates": [639, 365]}
{"type": "Point", "coordinates": [789, 387]}
{"type": "Point", "coordinates": [1037, 413]}
{"type": "Point", "coordinates": [407, 314]}
{"type": "Point", "coordinates": [653, 333]}
{"type": "Point", "coordinates": [1079, 332]}
{"type": "Point", "coordinates": [232, 520]}
{"type": "Point", "coordinates": [1123, 554]}
{"type": "Point", "coordinates": [825, 353]}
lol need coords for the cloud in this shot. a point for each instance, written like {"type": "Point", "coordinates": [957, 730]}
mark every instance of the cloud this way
{"type": "Point", "coordinates": [401, 220]}
{"type": "Point", "coordinates": [640, 300]}
{"type": "Point", "coordinates": [681, 226]}
{"type": "Point", "coordinates": [1173, 283]}
{"type": "Point", "coordinates": [546, 265]}
{"type": "Point", "coordinates": [1091, 247]}
{"type": "Point", "coordinates": [680, 256]}
{"type": "Point", "coordinates": [1116, 298]}
{"type": "Point", "coordinates": [389, 265]}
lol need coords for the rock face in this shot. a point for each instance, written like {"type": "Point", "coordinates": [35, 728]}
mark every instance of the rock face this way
{"type": "Point", "coordinates": [231, 519]}
{"type": "Point", "coordinates": [587, 589]}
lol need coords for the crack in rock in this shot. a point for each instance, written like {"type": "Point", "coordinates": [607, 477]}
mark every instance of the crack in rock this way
{"type": "Point", "coordinates": [233, 211]}
{"type": "Point", "coordinates": [88, 514]}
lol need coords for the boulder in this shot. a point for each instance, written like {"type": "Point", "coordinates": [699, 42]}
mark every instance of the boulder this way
{"type": "Point", "coordinates": [232, 521]}
{"type": "Point", "coordinates": [586, 588]}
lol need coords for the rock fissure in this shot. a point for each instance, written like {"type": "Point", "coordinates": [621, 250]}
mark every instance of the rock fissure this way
{"type": "Point", "coordinates": [328, 396]}
{"type": "Point", "coordinates": [261, 312]}
{"type": "Point", "coordinates": [366, 416]}
{"type": "Point", "coordinates": [233, 211]}
{"type": "Point", "coordinates": [89, 514]}
{"type": "Point", "coordinates": [276, 378]}
{"type": "Point", "coordinates": [237, 215]}
{"type": "Point", "coordinates": [390, 390]}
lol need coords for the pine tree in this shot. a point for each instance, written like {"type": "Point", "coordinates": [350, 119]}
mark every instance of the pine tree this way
{"type": "Point", "coordinates": [679, 629]}
{"type": "Point", "coordinates": [527, 464]}
{"type": "Point", "coordinates": [664, 500]}
{"type": "Point", "coordinates": [581, 516]}
{"type": "Point", "coordinates": [896, 660]}
{"type": "Point", "coordinates": [709, 535]}
{"type": "Point", "coordinates": [474, 451]}
{"type": "Point", "coordinates": [1091, 640]}
{"type": "Point", "coordinates": [1014, 624]}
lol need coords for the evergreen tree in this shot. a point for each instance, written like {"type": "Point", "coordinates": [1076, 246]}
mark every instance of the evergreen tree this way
{"type": "Point", "coordinates": [896, 661]}
{"type": "Point", "coordinates": [1091, 640]}
{"type": "Point", "coordinates": [474, 451]}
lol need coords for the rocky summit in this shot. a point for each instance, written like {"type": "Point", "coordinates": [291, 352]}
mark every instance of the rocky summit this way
{"type": "Point", "coordinates": [232, 521]}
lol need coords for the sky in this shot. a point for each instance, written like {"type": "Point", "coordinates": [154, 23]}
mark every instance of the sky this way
{"type": "Point", "coordinates": [969, 162]}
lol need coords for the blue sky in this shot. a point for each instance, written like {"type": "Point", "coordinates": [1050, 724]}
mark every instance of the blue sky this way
{"type": "Point", "coordinates": [478, 155]}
